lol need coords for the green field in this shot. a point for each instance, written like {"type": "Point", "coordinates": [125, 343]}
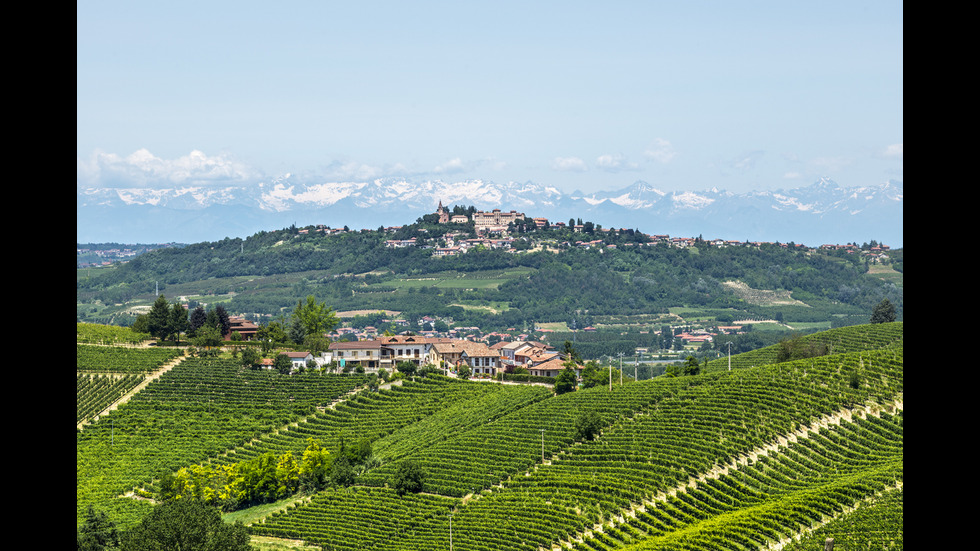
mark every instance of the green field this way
{"type": "Point", "coordinates": [459, 280]}
{"type": "Point", "coordinates": [735, 459]}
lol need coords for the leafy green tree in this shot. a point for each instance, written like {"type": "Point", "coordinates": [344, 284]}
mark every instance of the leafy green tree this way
{"type": "Point", "coordinates": [297, 333]}
{"type": "Point", "coordinates": [407, 368]}
{"type": "Point", "coordinates": [270, 335]}
{"type": "Point", "coordinates": [282, 364]}
{"type": "Point", "coordinates": [592, 375]}
{"type": "Point", "coordinates": [341, 471]}
{"type": "Point", "coordinates": [287, 476]}
{"type": "Point", "coordinates": [409, 477]}
{"type": "Point", "coordinates": [141, 324]}
{"type": "Point", "coordinates": [197, 319]}
{"type": "Point", "coordinates": [666, 337]}
{"type": "Point", "coordinates": [97, 532]}
{"type": "Point", "coordinates": [691, 366]}
{"type": "Point", "coordinates": [224, 320]}
{"type": "Point", "coordinates": [587, 425]}
{"type": "Point", "coordinates": [315, 318]}
{"type": "Point", "coordinates": [186, 524]}
{"type": "Point", "coordinates": [207, 337]}
{"type": "Point", "coordinates": [177, 322]}
{"type": "Point", "coordinates": [314, 467]}
{"type": "Point", "coordinates": [566, 381]}
{"type": "Point", "coordinates": [158, 320]}
{"type": "Point", "coordinates": [884, 312]}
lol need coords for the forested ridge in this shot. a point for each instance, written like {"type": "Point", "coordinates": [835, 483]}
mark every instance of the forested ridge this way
{"type": "Point", "coordinates": [270, 271]}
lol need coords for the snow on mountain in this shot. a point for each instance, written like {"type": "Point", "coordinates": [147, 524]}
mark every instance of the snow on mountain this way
{"type": "Point", "coordinates": [823, 211]}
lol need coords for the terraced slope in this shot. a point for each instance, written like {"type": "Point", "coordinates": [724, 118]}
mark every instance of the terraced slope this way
{"type": "Point", "coordinates": [771, 439]}
{"type": "Point", "coordinates": [834, 341]}
{"type": "Point", "coordinates": [757, 457]}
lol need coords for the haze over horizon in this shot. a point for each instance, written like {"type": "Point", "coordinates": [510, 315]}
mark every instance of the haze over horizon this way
{"type": "Point", "coordinates": [574, 95]}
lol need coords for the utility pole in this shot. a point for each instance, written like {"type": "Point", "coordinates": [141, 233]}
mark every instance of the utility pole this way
{"type": "Point", "coordinates": [450, 532]}
{"type": "Point", "coordinates": [620, 368]}
{"type": "Point", "coordinates": [729, 355]}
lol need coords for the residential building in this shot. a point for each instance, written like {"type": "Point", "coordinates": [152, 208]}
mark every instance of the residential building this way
{"type": "Point", "coordinates": [244, 327]}
{"type": "Point", "coordinates": [369, 354]}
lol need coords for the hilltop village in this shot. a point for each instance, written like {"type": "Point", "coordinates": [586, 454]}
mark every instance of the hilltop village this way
{"type": "Point", "coordinates": [514, 231]}
{"type": "Point", "coordinates": [370, 341]}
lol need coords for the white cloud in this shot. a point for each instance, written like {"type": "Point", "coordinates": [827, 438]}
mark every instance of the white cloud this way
{"type": "Point", "coordinates": [569, 164]}
{"type": "Point", "coordinates": [143, 169]}
{"type": "Point", "coordinates": [746, 161]}
{"type": "Point", "coordinates": [452, 166]}
{"type": "Point", "coordinates": [894, 150]}
{"type": "Point", "coordinates": [660, 150]}
{"type": "Point", "coordinates": [615, 163]}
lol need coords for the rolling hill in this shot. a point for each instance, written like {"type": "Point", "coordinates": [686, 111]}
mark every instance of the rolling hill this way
{"type": "Point", "coordinates": [556, 281]}
{"type": "Point", "coordinates": [778, 454]}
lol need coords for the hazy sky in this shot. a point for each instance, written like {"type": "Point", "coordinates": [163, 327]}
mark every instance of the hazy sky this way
{"type": "Point", "coordinates": [684, 95]}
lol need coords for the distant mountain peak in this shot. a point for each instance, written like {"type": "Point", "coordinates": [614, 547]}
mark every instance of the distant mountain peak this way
{"type": "Point", "coordinates": [816, 212]}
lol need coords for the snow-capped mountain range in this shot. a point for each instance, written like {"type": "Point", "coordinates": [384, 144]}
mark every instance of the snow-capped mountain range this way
{"type": "Point", "coordinates": [823, 212]}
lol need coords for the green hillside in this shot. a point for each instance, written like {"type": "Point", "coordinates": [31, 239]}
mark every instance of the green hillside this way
{"type": "Point", "coordinates": [769, 452]}
{"type": "Point", "coordinates": [547, 279]}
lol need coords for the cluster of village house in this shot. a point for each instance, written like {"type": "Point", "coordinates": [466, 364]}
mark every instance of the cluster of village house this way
{"type": "Point", "coordinates": [373, 353]}
{"type": "Point", "coordinates": [496, 222]}
{"type": "Point", "coordinates": [442, 352]}
{"type": "Point", "coordinates": [386, 352]}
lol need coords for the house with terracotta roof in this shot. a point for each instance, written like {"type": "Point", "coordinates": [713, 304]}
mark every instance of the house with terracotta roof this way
{"type": "Point", "coordinates": [369, 354]}
{"type": "Point", "coordinates": [244, 327]}
{"type": "Point", "coordinates": [552, 367]}
{"type": "Point", "coordinates": [480, 357]}
{"type": "Point", "coordinates": [412, 348]}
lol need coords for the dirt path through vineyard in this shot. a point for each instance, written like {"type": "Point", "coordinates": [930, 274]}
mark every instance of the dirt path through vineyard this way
{"type": "Point", "coordinates": [869, 410]}
{"type": "Point", "coordinates": [125, 397]}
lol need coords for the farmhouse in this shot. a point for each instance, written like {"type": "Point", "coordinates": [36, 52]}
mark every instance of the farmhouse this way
{"type": "Point", "coordinates": [411, 348]}
{"type": "Point", "coordinates": [243, 327]}
{"type": "Point", "coordinates": [300, 359]}
{"type": "Point", "coordinates": [368, 354]}
{"type": "Point", "coordinates": [552, 367]}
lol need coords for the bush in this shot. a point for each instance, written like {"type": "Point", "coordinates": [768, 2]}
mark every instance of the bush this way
{"type": "Point", "coordinates": [408, 477]}
{"type": "Point", "coordinates": [587, 425]}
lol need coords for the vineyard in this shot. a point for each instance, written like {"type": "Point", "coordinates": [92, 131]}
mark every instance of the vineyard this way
{"type": "Point", "coordinates": [766, 455]}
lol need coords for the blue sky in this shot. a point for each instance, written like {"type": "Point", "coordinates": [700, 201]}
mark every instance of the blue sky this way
{"type": "Point", "coordinates": [576, 95]}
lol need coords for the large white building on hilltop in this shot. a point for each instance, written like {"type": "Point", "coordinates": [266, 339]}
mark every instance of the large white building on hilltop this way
{"type": "Point", "coordinates": [495, 220]}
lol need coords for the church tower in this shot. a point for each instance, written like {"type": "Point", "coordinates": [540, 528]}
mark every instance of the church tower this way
{"type": "Point", "coordinates": [443, 213]}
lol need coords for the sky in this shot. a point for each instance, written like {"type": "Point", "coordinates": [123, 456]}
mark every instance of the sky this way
{"type": "Point", "coordinates": [590, 96]}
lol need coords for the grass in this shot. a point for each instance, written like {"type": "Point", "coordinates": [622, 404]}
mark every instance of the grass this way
{"type": "Point", "coordinates": [494, 307]}
{"type": "Point", "coordinates": [259, 512]}
{"type": "Point", "coordinates": [887, 273]}
{"type": "Point", "coordinates": [264, 543]}
{"type": "Point", "coordinates": [457, 280]}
